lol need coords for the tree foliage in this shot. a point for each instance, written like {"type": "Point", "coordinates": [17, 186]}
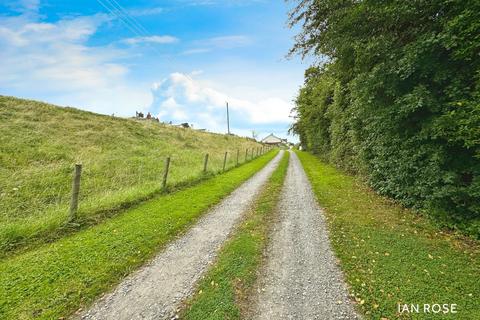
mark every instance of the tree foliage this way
{"type": "Point", "coordinates": [396, 98]}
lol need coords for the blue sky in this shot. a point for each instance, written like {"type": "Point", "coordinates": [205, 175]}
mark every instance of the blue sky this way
{"type": "Point", "coordinates": [179, 59]}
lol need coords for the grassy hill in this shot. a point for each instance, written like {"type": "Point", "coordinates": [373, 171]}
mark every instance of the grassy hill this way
{"type": "Point", "coordinates": [122, 159]}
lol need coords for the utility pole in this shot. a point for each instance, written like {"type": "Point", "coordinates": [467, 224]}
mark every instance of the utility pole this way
{"type": "Point", "coordinates": [228, 120]}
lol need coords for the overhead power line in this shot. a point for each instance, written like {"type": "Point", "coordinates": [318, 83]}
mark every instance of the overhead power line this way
{"type": "Point", "coordinates": [127, 19]}
{"type": "Point", "coordinates": [131, 18]}
{"type": "Point", "coordinates": [118, 16]}
{"type": "Point", "coordinates": [118, 11]}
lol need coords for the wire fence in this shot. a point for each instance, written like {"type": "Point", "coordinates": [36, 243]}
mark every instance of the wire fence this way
{"type": "Point", "coordinates": [45, 198]}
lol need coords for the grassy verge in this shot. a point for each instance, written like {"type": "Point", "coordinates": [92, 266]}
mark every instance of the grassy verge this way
{"type": "Point", "coordinates": [123, 161]}
{"type": "Point", "coordinates": [223, 292]}
{"type": "Point", "coordinates": [390, 255]}
{"type": "Point", "coordinates": [54, 232]}
{"type": "Point", "coordinates": [52, 281]}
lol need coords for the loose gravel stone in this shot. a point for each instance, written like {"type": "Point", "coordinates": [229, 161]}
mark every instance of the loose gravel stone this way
{"type": "Point", "coordinates": [157, 290]}
{"type": "Point", "coordinates": [301, 278]}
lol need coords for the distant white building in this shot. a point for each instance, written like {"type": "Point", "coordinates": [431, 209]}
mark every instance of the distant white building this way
{"type": "Point", "coordinates": [273, 140]}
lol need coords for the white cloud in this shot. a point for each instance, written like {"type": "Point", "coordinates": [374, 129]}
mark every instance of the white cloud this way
{"type": "Point", "coordinates": [180, 97]}
{"type": "Point", "coordinates": [151, 39]}
{"type": "Point", "coordinates": [52, 61]}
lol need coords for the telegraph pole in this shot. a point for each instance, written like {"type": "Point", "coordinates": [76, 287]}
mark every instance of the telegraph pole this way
{"type": "Point", "coordinates": [228, 120]}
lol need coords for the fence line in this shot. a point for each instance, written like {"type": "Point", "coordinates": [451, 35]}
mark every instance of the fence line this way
{"type": "Point", "coordinates": [74, 201]}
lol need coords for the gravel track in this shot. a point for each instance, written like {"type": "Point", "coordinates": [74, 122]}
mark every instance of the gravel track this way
{"type": "Point", "coordinates": [157, 289]}
{"type": "Point", "coordinates": [301, 279]}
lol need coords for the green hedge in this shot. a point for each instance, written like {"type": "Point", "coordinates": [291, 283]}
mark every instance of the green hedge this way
{"type": "Point", "coordinates": [397, 99]}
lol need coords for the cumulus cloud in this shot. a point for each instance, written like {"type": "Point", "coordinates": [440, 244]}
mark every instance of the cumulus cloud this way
{"type": "Point", "coordinates": [151, 39]}
{"type": "Point", "coordinates": [54, 61]}
{"type": "Point", "coordinates": [180, 97]}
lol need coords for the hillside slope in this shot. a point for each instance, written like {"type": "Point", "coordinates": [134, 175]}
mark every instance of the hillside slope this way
{"type": "Point", "coordinates": [123, 161]}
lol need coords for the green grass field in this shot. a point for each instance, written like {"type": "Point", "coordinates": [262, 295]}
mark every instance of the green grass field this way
{"type": "Point", "coordinates": [123, 162]}
{"type": "Point", "coordinates": [225, 290]}
{"type": "Point", "coordinates": [54, 280]}
{"type": "Point", "coordinates": [391, 255]}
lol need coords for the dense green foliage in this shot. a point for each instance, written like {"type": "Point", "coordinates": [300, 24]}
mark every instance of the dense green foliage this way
{"type": "Point", "coordinates": [123, 163]}
{"type": "Point", "coordinates": [396, 98]}
{"type": "Point", "coordinates": [54, 280]}
{"type": "Point", "coordinates": [391, 255]}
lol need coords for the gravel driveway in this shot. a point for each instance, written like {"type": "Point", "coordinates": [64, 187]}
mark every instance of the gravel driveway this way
{"type": "Point", "coordinates": [157, 289]}
{"type": "Point", "coordinates": [301, 279]}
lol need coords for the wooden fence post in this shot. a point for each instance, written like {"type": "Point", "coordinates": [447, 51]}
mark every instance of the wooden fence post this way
{"type": "Point", "coordinates": [238, 154]}
{"type": "Point", "coordinates": [205, 163]}
{"type": "Point", "coordinates": [252, 153]}
{"type": "Point", "coordinates": [246, 155]}
{"type": "Point", "coordinates": [225, 161]}
{"type": "Point", "coordinates": [75, 192]}
{"type": "Point", "coordinates": [165, 173]}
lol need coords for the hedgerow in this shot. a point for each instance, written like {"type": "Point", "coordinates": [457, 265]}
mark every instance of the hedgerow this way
{"type": "Point", "coordinates": [396, 97]}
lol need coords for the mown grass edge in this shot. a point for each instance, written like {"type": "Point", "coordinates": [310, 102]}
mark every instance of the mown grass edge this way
{"type": "Point", "coordinates": [54, 280]}
{"type": "Point", "coordinates": [392, 256]}
{"type": "Point", "coordinates": [96, 217]}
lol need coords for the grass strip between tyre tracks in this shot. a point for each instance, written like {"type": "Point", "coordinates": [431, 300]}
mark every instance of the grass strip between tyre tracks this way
{"type": "Point", "coordinates": [54, 280]}
{"type": "Point", "coordinates": [224, 291]}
